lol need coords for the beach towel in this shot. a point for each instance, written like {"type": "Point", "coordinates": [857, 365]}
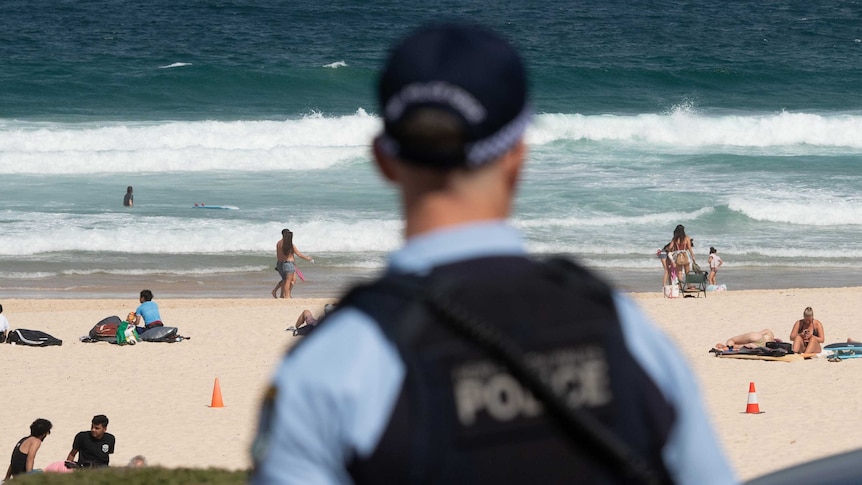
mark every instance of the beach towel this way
{"type": "Point", "coordinates": [32, 338]}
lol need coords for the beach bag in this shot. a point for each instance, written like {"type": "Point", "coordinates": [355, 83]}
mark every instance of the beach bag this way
{"type": "Point", "coordinates": [671, 291]}
{"type": "Point", "coordinates": [681, 258]}
{"type": "Point", "coordinates": [160, 334]}
{"type": "Point", "coordinates": [32, 338]}
{"type": "Point", "coordinates": [106, 329]}
{"type": "Point", "coordinates": [126, 334]}
{"type": "Point", "coordinates": [785, 346]}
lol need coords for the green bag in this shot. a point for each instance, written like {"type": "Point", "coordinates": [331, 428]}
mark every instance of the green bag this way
{"type": "Point", "coordinates": [127, 334]}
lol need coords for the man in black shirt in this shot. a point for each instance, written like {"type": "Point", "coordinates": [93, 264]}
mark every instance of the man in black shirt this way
{"type": "Point", "coordinates": [94, 446]}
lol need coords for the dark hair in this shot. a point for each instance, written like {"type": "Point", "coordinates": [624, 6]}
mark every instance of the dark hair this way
{"type": "Point", "coordinates": [129, 189]}
{"type": "Point", "coordinates": [437, 134]}
{"type": "Point", "coordinates": [1, 308]}
{"type": "Point", "coordinates": [100, 419]}
{"type": "Point", "coordinates": [679, 232]}
{"type": "Point", "coordinates": [287, 245]}
{"type": "Point", "coordinates": [147, 295]}
{"type": "Point", "coordinates": [712, 250]}
{"type": "Point", "coordinates": [40, 427]}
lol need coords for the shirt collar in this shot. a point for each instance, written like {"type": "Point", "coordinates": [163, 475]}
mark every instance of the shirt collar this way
{"type": "Point", "coordinates": [444, 246]}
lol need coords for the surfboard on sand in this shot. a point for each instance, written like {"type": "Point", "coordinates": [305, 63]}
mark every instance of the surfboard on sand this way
{"type": "Point", "coordinates": [222, 207]}
{"type": "Point", "coordinates": [843, 350]}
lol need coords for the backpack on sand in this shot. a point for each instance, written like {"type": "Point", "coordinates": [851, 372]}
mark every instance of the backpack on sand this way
{"type": "Point", "coordinates": [32, 338]}
{"type": "Point", "coordinates": [106, 330]}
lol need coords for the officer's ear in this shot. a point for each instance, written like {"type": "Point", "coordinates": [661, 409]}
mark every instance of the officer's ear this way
{"type": "Point", "coordinates": [384, 162]}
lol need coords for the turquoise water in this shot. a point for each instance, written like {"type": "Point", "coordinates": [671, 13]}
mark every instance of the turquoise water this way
{"type": "Point", "coordinates": [743, 122]}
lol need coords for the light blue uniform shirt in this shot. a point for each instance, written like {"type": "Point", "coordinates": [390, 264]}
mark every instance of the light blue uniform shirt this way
{"type": "Point", "coordinates": [336, 392]}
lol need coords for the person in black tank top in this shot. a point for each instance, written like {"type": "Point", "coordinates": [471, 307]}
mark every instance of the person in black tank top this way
{"type": "Point", "coordinates": [24, 453]}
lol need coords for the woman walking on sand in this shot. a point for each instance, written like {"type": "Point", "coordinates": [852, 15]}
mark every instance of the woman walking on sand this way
{"type": "Point", "coordinates": [285, 253]}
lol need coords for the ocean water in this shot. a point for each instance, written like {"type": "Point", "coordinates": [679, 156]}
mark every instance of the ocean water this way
{"type": "Point", "coordinates": [742, 122]}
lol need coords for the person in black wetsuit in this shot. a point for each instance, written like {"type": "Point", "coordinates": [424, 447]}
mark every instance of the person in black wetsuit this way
{"type": "Point", "coordinates": [129, 198]}
{"type": "Point", "coordinates": [24, 453]}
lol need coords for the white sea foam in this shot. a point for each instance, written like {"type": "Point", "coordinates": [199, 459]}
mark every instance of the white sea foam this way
{"type": "Point", "coordinates": [311, 143]}
{"type": "Point", "coordinates": [684, 128]}
{"type": "Point", "coordinates": [176, 64]}
{"type": "Point", "coordinates": [666, 218]}
{"type": "Point", "coordinates": [174, 235]}
{"type": "Point", "coordinates": [316, 142]}
{"type": "Point", "coordinates": [336, 64]}
{"type": "Point", "coordinates": [824, 210]}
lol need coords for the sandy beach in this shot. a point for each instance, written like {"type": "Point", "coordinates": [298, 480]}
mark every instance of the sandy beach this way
{"type": "Point", "coordinates": [157, 395]}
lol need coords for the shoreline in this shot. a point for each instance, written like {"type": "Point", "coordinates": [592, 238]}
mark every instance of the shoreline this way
{"type": "Point", "coordinates": [323, 282]}
{"type": "Point", "coordinates": [241, 340]}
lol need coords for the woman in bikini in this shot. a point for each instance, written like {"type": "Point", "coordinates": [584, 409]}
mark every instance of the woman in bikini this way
{"type": "Point", "coordinates": [807, 334]}
{"type": "Point", "coordinates": [285, 253]}
{"type": "Point", "coordinates": [748, 340]}
{"type": "Point", "coordinates": [681, 243]}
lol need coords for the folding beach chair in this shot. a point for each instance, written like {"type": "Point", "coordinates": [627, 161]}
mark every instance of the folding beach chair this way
{"type": "Point", "coordinates": [694, 282]}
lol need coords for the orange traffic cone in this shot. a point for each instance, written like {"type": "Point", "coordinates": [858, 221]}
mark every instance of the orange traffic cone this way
{"type": "Point", "coordinates": [752, 407]}
{"type": "Point", "coordinates": [217, 402]}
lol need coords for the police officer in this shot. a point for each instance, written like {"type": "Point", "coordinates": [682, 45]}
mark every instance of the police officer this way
{"type": "Point", "coordinates": [468, 362]}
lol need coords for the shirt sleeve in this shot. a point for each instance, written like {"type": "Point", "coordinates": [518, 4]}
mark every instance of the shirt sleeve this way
{"type": "Point", "coordinates": [693, 453]}
{"type": "Point", "coordinates": [332, 398]}
{"type": "Point", "coordinates": [76, 443]}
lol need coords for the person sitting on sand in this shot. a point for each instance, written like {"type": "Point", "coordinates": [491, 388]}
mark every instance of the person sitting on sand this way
{"type": "Point", "coordinates": [95, 446]}
{"type": "Point", "coordinates": [750, 340]}
{"type": "Point", "coordinates": [138, 461]}
{"type": "Point", "coordinates": [807, 334]}
{"type": "Point", "coordinates": [148, 311]}
{"type": "Point", "coordinates": [4, 326]}
{"type": "Point", "coordinates": [306, 321]}
{"type": "Point", "coordinates": [24, 453]}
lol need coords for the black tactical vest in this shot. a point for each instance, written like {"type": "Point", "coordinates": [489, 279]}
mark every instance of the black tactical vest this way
{"type": "Point", "coordinates": [461, 416]}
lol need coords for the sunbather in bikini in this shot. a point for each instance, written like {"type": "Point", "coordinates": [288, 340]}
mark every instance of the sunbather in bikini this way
{"type": "Point", "coordinates": [807, 334]}
{"type": "Point", "coordinates": [749, 340]}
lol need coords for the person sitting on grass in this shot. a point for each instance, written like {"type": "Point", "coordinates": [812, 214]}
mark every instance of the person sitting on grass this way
{"type": "Point", "coordinates": [750, 340]}
{"type": "Point", "coordinates": [807, 334]}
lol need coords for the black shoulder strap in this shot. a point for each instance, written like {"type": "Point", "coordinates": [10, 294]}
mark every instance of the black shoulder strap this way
{"type": "Point", "coordinates": [395, 297]}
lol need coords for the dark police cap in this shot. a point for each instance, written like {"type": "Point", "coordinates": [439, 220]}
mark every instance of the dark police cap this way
{"type": "Point", "coordinates": [466, 70]}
